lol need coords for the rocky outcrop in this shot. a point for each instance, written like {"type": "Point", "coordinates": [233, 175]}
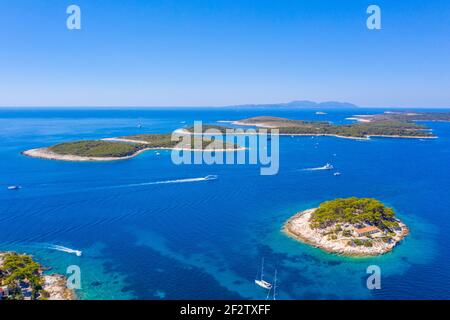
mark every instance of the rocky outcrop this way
{"type": "Point", "coordinates": [299, 228]}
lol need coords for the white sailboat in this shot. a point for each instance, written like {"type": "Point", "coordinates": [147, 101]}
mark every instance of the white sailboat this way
{"type": "Point", "coordinates": [261, 282]}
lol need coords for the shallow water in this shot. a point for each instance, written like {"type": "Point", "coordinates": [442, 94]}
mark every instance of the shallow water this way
{"type": "Point", "coordinates": [143, 235]}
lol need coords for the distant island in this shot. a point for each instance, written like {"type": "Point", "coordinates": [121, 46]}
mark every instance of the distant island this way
{"type": "Point", "coordinates": [121, 148]}
{"type": "Point", "coordinates": [302, 104]}
{"type": "Point", "coordinates": [22, 278]}
{"type": "Point", "coordinates": [364, 128]}
{"type": "Point", "coordinates": [390, 125]}
{"type": "Point", "coordinates": [404, 116]}
{"type": "Point", "coordinates": [348, 226]}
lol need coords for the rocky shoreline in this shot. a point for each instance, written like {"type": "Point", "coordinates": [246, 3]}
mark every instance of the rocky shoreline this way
{"type": "Point", "coordinates": [54, 286]}
{"type": "Point", "coordinates": [298, 227]}
{"type": "Point", "coordinates": [366, 137]}
{"type": "Point", "coordinates": [47, 154]}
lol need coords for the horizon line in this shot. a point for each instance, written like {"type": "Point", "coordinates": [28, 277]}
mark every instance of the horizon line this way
{"type": "Point", "coordinates": [247, 106]}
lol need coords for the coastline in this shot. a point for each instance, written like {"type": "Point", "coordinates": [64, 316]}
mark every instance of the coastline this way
{"type": "Point", "coordinates": [125, 140]}
{"type": "Point", "coordinates": [355, 118]}
{"type": "Point", "coordinates": [298, 228]}
{"type": "Point", "coordinates": [45, 153]}
{"type": "Point", "coordinates": [183, 131]}
{"type": "Point", "coordinates": [367, 137]}
{"type": "Point", "coordinates": [55, 285]}
{"type": "Point", "coordinates": [258, 125]}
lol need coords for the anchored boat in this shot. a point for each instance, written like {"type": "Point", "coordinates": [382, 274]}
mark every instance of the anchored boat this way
{"type": "Point", "coordinates": [261, 282]}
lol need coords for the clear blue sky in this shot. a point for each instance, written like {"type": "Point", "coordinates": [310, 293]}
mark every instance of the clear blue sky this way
{"type": "Point", "coordinates": [222, 52]}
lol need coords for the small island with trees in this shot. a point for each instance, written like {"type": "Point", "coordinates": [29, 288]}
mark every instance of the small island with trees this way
{"type": "Point", "coordinates": [122, 148]}
{"type": "Point", "coordinates": [389, 127]}
{"type": "Point", "coordinates": [22, 278]}
{"type": "Point", "coordinates": [388, 124]}
{"type": "Point", "coordinates": [349, 226]}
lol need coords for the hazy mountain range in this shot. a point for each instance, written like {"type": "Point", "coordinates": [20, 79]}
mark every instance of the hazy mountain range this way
{"type": "Point", "coordinates": [303, 104]}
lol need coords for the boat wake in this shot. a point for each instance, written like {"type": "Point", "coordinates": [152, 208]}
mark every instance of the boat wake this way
{"type": "Point", "coordinates": [325, 167]}
{"type": "Point", "coordinates": [151, 183]}
{"type": "Point", "coordinates": [207, 178]}
{"type": "Point", "coordinates": [65, 249]}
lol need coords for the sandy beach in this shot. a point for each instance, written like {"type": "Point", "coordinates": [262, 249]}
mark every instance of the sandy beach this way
{"type": "Point", "coordinates": [259, 125]}
{"type": "Point", "coordinates": [125, 140]}
{"type": "Point", "coordinates": [358, 119]}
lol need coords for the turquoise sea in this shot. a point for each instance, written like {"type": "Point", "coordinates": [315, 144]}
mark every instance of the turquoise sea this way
{"type": "Point", "coordinates": [205, 239]}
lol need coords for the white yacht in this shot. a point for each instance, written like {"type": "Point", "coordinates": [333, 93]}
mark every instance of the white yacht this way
{"type": "Point", "coordinates": [13, 187]}
{"type": "Point", "coordinates": [328, 167]}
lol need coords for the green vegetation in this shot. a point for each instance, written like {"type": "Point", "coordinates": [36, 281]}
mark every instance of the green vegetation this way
{"type": "Point", "coordinates": [333, 237]}
{"type": "Point", "coordinates": [118, 149]}
{"type": "Point", "coordinates": [388, 127]}
{"type": "Point", "coordinates": [359, 243]}
{"type": "Point", "coordinates": [347, 233]}
{"type": "Point", "coordinates": [206, 127]}
{"type": "Point", "coordinates": [363, 211]}
{"type": "Point", "coordinates": [91, 148]}
{"type": "Point", "coordinates": [154, 140]}
{"type": "Point", "coordinates": [17, 269]}
{"type": "Point", "coordinates": [188, 142]}
{"type": "Point", "coordinates": [408, 117]}
{"type": "Point", "coordinates": [387, 124]}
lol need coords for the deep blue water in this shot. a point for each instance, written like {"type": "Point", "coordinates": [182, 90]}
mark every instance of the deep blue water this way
{"type": "Point", "coordinates": [205, 240]}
